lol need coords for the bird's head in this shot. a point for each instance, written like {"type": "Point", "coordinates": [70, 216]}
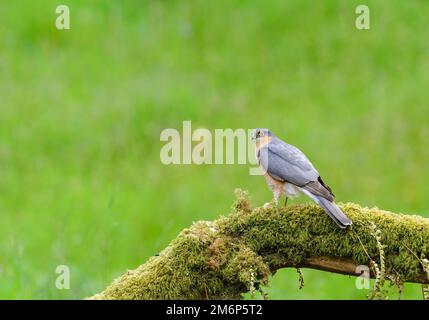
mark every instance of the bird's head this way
{"type": "Point", "coordinates": [261, 133]}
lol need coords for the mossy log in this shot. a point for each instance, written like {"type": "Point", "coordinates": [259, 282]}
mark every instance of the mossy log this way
{"type": "Point", "coordinates": [225, 258]}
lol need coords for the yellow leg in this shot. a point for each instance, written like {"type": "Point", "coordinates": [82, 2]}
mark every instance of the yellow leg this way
{"type": "Point", "coordinates": [286, 198]}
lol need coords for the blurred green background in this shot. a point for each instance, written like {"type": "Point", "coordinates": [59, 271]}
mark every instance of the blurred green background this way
{"type": "Point", "coordinates": [81, 111]}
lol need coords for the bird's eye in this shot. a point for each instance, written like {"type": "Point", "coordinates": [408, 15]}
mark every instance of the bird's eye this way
{"type": "Point", "coordinates": [261, 133]}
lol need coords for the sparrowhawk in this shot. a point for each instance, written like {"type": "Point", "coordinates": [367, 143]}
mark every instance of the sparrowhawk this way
{"type": "Point", "coordinates": [288, 171]}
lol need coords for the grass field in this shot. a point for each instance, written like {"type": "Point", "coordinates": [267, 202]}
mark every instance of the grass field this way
{"type": "Point", "coordinates": [81, 111]}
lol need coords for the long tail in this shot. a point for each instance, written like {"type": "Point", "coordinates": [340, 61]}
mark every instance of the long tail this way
{"type": "Point", "coordinates": [332, 210]}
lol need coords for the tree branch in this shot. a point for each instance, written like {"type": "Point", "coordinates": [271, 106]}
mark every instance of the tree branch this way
{"type": "Point", "coordinates": [224, 258]}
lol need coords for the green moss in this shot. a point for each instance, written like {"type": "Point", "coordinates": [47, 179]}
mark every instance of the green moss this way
{"type": "Point", "coordinates": [224, 258]}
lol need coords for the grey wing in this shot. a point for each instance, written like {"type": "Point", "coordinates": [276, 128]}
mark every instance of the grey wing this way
{"type": "Point", "coordinates": [287, 163]}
